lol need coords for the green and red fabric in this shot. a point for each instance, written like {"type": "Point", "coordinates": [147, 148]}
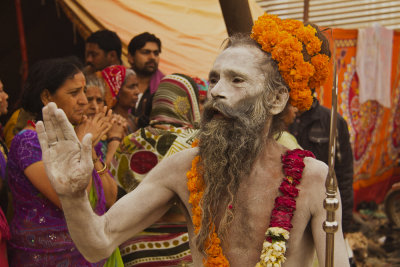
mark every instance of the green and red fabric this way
{"type": "Point", "coordinates": [176, 102]}
{"type": "Point", "coordinates": [175, 114]}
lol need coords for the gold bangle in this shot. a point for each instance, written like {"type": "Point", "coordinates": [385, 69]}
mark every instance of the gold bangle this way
{"type": "Point", "coordinates": [114, 138]}
{"type": "Point", "coordinates": [102, 171]}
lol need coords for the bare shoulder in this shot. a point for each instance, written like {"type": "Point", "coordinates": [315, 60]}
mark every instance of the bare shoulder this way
{"type": "Point", "coordinates": [315, 169]}
{"type": "Point", "coordinates": [314, 177]}
{"type": "Point", "coordinates": [171, 171]}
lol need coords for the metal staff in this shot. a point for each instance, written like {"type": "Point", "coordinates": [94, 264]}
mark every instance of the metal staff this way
{"type": "Point", "coordinates": [331, 203]}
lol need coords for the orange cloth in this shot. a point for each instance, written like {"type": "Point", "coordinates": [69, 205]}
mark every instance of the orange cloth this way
{"type": "Point", "coordinates": [374, 129]}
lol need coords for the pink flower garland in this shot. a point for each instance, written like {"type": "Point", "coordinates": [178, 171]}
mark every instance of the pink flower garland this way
{"type": "Point", "coordinates": [280, 225]}
{"type": "Point", "coordinates": [285, 205]}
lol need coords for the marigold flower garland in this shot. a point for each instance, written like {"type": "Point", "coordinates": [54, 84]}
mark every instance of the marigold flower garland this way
{"type": "Point", "coordinates": [215, 256]}
{"type": "Point", "coordinates": [284, 40]}
{"type": "Point", "coordinates": [274, 248]}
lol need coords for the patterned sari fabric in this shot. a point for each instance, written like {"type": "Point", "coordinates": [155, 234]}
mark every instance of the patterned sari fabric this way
{"type": "Point", "coordinates": [114, 77]}
{"type": "Point", "coordinates": [176, 102]}
{"type": "Point", "coordinates": [175, 113]}
{"type": "Point", "coordinates": [39, 234]}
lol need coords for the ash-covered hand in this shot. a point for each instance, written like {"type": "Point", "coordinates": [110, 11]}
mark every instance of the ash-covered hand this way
{"type": "Point", "coordinates": [67, 161]}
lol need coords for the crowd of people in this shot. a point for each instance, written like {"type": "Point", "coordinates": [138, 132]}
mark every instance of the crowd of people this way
{"type": "Point", "coordinates": [183, 171]}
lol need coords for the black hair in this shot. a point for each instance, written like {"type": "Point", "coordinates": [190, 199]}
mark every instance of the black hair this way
{"type": "Point", "coordinates": [48, 74]}
{"type": "Point", "coordinates": [107, 41]}
{"type": "Point", "coordinates": [76, 61]}
{"type": "Point", "coordinates": [139, 41]}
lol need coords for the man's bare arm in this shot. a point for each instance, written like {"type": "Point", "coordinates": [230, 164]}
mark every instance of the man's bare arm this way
{"type": "Point", "coordinates": [68, 165]}
{"type": "Point", "coordinates": [96, 237]}
{"type": "Point", "coordinates": [319, 172]}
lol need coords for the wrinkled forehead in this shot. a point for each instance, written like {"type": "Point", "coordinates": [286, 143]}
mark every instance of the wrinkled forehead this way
{"type": "Point", "coordinates": [244, 59]}
{"type": "Point", "coordinates": [92, 89]}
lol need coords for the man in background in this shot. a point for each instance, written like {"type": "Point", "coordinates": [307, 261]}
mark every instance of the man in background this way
{"type": "Point", "coordinates": [103, 48]}
{"type": "Point", "coordinates": [311, 130]}
{"type": "Point", "coordinates": [144, 56]}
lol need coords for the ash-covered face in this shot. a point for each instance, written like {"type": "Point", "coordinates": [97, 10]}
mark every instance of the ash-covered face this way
{"type": "Point", "coordinates": [236, 75]}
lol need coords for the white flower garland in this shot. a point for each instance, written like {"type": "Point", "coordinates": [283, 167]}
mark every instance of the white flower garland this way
{"type": "Point", "coordinates": [273, 254]}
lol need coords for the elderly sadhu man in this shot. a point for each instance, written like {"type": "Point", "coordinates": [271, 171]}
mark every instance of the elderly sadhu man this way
{"type": "Point", "coordinates": [248, 200]}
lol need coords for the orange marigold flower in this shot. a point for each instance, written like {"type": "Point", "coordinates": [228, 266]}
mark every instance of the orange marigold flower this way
{"type": "Point", "coordinates": [290, 25]}
{"type": "Point", "coordinates": [321, 65]}
{"type": "Point", "coordinates": [195, 142]}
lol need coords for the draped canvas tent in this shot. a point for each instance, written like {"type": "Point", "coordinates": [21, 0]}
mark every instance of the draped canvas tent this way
{"type": "Point", "coordinates": [191, 31]}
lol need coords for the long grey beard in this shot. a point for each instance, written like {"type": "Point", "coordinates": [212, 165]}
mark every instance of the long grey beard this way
{"type": "Point", "coordinates": [228, 148]}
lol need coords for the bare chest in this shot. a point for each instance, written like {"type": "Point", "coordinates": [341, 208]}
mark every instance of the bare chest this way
{"type": "Point", "coordinates": [252, 210]}
{"type": "Point", "coordinates": [255, 202]}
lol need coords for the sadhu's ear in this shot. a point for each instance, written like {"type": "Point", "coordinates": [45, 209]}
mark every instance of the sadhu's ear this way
{"type": "Point", "coordinates": [279, 101]}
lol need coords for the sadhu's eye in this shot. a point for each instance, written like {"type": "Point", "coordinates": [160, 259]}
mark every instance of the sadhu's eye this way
{"type": "Point", "coordinates": [237, 80]}
{"type": "Point", "coordinates": [213, 80]}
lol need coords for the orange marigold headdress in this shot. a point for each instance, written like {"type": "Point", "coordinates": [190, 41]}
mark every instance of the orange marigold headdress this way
{"type": "Point", "coordinates": [284, 40]}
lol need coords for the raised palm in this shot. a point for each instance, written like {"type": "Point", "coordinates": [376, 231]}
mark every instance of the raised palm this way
{"type": "Point", "coordinates": [67, 161]}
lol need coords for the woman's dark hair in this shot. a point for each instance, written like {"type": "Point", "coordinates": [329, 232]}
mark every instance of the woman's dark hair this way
{"type": "Point", "coordinates": [48, 74]}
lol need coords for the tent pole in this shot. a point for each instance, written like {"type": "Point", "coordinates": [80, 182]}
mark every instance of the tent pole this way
{"type": "Point", "coordinates": [306, 10]}
{"type": "Point", "coordinates": [237, 16]}
{"type": "Point", "coordinates": [22, 42]}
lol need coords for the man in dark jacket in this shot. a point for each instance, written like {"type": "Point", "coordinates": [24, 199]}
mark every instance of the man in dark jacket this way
{"type": "Point", "coordinates": [311, 130]}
